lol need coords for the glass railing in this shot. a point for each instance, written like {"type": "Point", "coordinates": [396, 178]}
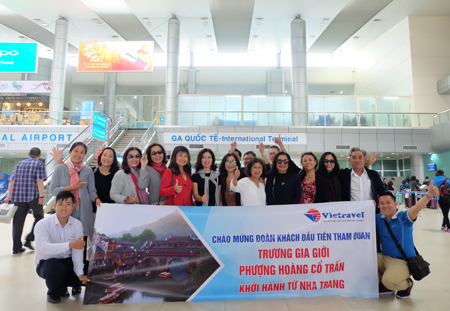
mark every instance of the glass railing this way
{"type": "Point", "coordinates": [16, 117]}
{"type": "Point", "coordinates": [269, 118]}
{"type": "Point", "coordinates": [442, 117]}
{"type": "Point", "coordinates": [146, 139]}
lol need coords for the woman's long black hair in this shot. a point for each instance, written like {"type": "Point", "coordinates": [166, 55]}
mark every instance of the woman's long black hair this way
{"type": "Point", "coordinates": [125, 166]}
{"type": "Point", "coordinates": [322, 169]}
{"type": "Point", "coordinates": [114, 166]}
{"type": "Point", "coordinates": [274, 170]}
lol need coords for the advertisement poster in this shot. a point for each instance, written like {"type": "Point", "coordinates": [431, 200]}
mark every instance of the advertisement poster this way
{"type": "Point", "coordinates": [149, 253]}
{"type": "Point", "coordinates": [116, 56]}
{"type": "Point", "coordinates": [25, 86]}
{"type": "Point", "coordinates": [18, 57]}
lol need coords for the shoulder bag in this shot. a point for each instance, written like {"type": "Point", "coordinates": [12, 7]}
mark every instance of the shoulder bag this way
{"type": "Point", "coordinates": [418, 267]}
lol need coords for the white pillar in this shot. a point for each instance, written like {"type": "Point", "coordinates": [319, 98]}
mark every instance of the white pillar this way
{"type": "Point", "coordinates": [110, 105]}
{"type": "Point", "coordinates": [172, 73]}
{"type": "Point", "coordinates": [191, 76]}
{"type": "Point", "coordinates": [299, 84]}
{"type": "Point", "coordinates": [140, 108]}
{"type": "Point", "coordinates": [417, 167]}
{"type": "Point", "coordinates": [59, 69]}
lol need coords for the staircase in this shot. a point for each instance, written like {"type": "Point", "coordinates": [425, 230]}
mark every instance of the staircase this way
{"type": "Point", "coordinates": [126, 138]}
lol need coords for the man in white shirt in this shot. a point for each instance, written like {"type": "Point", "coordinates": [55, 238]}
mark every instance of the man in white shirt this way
{"type": "Point", "coordinates": [59, 249]}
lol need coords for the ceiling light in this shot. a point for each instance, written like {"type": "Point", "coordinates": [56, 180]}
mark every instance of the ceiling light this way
{"type": "Point", "coordinates": [28, 104]}
{"type": "Point", "coordinates": [205, 23]}
{"type": "Point", "coordinates": [76, 108]}
{"type": "Point", "coordinates": [377, 20]}
{"type": "Point", "coordinates": [387, 157]}
{"type": "Point", "coordinates": [326, 19]}
{"type": "Point", "coordinates": [18, 104]}
{"type": "Point", "coordinates": [258, 23]}
{"type": "Point", "coordinates": [115, 37]}
{"type": "Point", "coordinates": [97, 21]}
{"type": "Point", "coordinates": [40, 104]}
{"type": "Point", "coordinates": [145, 19]}
{"type": "Point", "coordinates": [342, 92]}
{"type": "Point", "coordinates": [158, 36]}
{"type": "Point", "coordinates": [22, 37]}
{"type": "Point", "coordinates": [135, 96]}
{"type": "Point", "coordinates": [313, 36]}
{"type": "Point", "coordinates": [149, 23]}
{"type": "Point", "coordinates": [208, 36]}
{"type": "Point", "coordinates": [393, 152]}
{"type": "Point", "coordinates": [101, 103]}
{"type": "Point", "coordinates": [260, 19]}
{"type": "Point", "coordinates": [204, 18]}
{"type": "Point", "coordinates": [212, 49]}
{"type": "Point", "coordinates": [255, 36]}
{"type": "Point", "coordinates": [356, 37]}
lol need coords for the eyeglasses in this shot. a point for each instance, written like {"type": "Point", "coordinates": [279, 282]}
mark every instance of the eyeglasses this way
{"type": "Point", "coordinates": [285, 161]}
{"type": "Point", "coordinates": [230, 162]}
{"type": "Point", "coordinates": [131, 156]}
{"type": "Point", "coordinates": [329, 161]}
{"type": "Point", "coordinates": [156, 152]}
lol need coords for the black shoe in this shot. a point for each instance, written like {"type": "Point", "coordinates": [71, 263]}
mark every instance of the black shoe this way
{"type": "Point", "coordinates": [53, 300]}
{"type": "Point", "coordinates": [28, 245]}
{"type": "Point", "coordinates": [406, 292]}
{"type": "Point", "coordinates": [76, 290]}
{"type": "Point", "coordinates": [384, 290]}
{"type": "Point", "coordinates": [63, 292]}
{"type": "Point", "coordinates": [19, 251]}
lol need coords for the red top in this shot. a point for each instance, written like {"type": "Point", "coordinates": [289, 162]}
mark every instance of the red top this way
{"type": "Point", "coordinates": [167, 189]}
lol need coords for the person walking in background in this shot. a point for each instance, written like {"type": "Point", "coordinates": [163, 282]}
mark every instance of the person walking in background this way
{"type": "Point", "coordinates": [226, 169]}
{"type": "Point", "coordinates": [440, 179]}
{"type": "Point", "coordinates": [414, 188]}
{"type": "Point", "coordinates": [205, 186]}
{"type": "Point", "coordinates": [385, 183]}
{"type": "Point", "coordinates": [26, 190]}
{"type": "Point", "coordinates": [157, 160]}
{"type": "Point", "coordinates": [390, 185]}
{"type": "Point", "coordinates": [125, 184]}
{"type": "Point", "coordinates": [176, 182]}
{"type": "Point", "coordinates": [282, 184]}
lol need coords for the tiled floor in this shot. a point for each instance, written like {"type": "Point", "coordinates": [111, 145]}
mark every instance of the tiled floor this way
{"type": "Point", "coordinates": [21, 289]}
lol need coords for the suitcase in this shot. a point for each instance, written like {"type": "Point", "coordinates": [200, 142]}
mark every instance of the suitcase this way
{"type": "Point", "coordinates": [433, 203]}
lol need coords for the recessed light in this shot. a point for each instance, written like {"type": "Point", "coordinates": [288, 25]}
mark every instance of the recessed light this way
{"type": "Point", "coordinates": [158, 36]}
{"type": "Point", "coordinates": [135, 96]}
{"type": "Point", "coordinates": [208, 36]}
{"type": "Point", "coordinates": [145, 19]}
{"type": "Point", "coordinates": [255, 36]}
{"type": "Point", "coordinates": [101, 103]}
{"type": "Point", "coordinates": [97, 21]}
{"type": "Point", "coordinates": [342, 92]}
{"type": "Point", "coordinates": [393, 152]}
{"type": "Point", "coordinates": [377, 20]}
{"type": "Point", "coordinates": [325, 19]}
{"type": "Point", "coordinates": [212, 49]}
{"type": "Point", "coordinates": [204, 18]}
{"type": "Point", "coordinates": [313, 36]}
{"type": "Point", "coordinates": [356, 37]}
{"type": "Point", "coordinates": [258, 23]}
{"type": "Point", "coordinates": [115, 37]}
{"type": "Point", "coordinates": [260, 19]}
{"type": "Point", "coordinates": [205, 23]}
{"type": "Point", "coordinates": [387, 157]}
{"type": "Point", "coordinates": [22, 37]}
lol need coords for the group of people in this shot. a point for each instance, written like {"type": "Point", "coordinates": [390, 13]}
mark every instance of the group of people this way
{"type": "Point", "coordinates": [149, 178]}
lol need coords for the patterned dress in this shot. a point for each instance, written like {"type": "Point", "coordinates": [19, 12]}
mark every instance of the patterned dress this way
{"type": "Point", "coordinates": [308, 192]}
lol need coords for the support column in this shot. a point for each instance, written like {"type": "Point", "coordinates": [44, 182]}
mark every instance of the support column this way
{"type": "Point", "coordinates": [172, 73]}
{"type": "Point", "coordinates": [59, 69]}
{"type": "Point", "coordinates": [299, 84]}
{"type": "Point", "coordinates": [191, 76]}
{"type": "Point", "coordinates": [140, 108]}
{"type": "Point", "coordinates": [417, 167]}
{"type": "Point", "coordinates": [111, 86]}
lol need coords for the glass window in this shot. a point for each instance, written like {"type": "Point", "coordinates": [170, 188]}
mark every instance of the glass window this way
{"type": "Point", "coordinates": [234, 103]}
{"type": "Point", "coordinates": [377, 165]}
{"type": "Point", "coordinates": [400, 164]}
{"type": "Point", "coordinates": [407, 162]}
{"type": "Point", "coordinates": [390, 165]}
{"type": "Point", "coordinates": [343, 163]}
{"type": "Point", "coordinates": [389, 173]}
{"type": "Point", "coordinates": [316, 104]}
{"type": "Point", "coordinates": [201, 103]}
{"type": "Point", "coordinates": [186, 103]}
{"type": "Point", "coordinates": [250, 105]}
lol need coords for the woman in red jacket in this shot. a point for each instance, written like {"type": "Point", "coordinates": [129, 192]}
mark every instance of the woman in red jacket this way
{"type": "Point", "coordinates": [176, 182]}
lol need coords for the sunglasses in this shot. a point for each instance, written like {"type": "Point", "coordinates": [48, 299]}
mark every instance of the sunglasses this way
{"type": "Point", "coordinates": [285, 161]}
{"type": "Point", "coordinates": [329, 161]}
{"type": "Point", "coordinates": [156, 152]}
{"type": "Point", "coordinates": [131, 156]}
{"type": "Point", "coordinates": [230, 162]}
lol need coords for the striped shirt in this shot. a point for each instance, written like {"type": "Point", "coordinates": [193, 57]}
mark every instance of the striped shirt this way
{"type": "Point", "coordinates": [25, 176]}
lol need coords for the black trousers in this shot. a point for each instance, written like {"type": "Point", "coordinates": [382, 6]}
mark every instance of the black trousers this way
{"type": "Point", "coordinates": [445, 209]}
{"type": "Point", "coordinates": [58, 274]}
{"type": "Point", "coordinates": [19, 220]}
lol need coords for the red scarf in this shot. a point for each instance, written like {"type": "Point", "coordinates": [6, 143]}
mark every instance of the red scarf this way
{"type": "Point", "coordinates": [160, 168]}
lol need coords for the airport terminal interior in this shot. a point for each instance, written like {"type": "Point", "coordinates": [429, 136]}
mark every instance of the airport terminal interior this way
{"type": "Point", "coordinates": [325, 75]}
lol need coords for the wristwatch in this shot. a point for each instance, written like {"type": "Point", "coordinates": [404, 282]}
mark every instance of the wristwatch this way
{"type": "Point", "coordinates": [426, 195]}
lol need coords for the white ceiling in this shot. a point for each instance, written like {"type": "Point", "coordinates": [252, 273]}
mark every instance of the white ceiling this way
{"type": "Point", "coordinates": [205, 24]}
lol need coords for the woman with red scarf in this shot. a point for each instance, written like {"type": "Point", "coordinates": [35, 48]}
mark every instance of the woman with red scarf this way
{"type": "Point", "coordinates": [153, 172]}
{"type": "Point", "coordinates": [75, 177]}
{"type": "Point", "coordinates": [125, 184]}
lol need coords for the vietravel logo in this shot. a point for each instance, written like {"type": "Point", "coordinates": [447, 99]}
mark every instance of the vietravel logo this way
{"type": "Point", "coordinates": [314, 215]}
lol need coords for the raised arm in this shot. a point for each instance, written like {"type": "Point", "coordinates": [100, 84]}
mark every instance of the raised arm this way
{"type": "Point", "coordinates": [262, 150]}
{"type": "Point", "coordinates": [279, 142]}
{"type": "Point", "coordinates": [413, 212]}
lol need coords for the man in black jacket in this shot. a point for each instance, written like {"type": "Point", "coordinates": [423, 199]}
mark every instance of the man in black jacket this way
{"type": "Point", "coordinates": [361, 183]}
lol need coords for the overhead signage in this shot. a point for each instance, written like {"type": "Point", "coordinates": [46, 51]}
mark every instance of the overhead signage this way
{"type": "Point", "coordinates": [116, 56]}
{"type": "Point", "coordinates": [27, 137]}
{"type": "Point", "coordinates": [87, 106]}
{"type": "Point", "coordinates": [25, 86]}
{"type": "Point", "coordinates": [98, 133]}
{"type": "Point", "coordinates": [228, 138]}
{"type": "Point", "coordinates": [183, 253]}
{"type": "Point", "coordinates": [18, 57]}
{"type": "Point", "coordinates": [99, 120]}
{"type": "Point", "coordinates": [22, 99]}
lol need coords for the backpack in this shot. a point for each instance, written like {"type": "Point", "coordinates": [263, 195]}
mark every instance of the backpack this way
{"type": "Point", "coordinates": [444, 192]}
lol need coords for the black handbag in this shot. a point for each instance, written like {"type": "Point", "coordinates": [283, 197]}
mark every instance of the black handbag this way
{"type": "Point", "coordinates": [418, 267]}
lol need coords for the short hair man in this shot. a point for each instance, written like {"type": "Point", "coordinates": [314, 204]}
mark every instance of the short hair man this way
{"type": "Point", "coordinates": [427, 181]}
{"type": "Point", "coordinates": [26, 190]}
{"type": "Point", "coordinates": [390, 185]}
{"type": "Point", "coordinates": [393, 271]}
{"type": "Point", "coordinates": [59, 249]}
{"type": "Point", "coordinates": [364, 183]}
{"type": "Point", "coordinates": [247, 157]}
{"type": "Point", "coordinates": [385, 183]}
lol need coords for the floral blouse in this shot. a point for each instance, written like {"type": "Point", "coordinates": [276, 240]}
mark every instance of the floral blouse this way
{"type": "Point", "coordinates": [308, 192]}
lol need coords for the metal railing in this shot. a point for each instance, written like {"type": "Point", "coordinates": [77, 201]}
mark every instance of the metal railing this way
{"type": "Point", "coordinates": [143, 142]}
{"type": "Point", "coordinates": [271, 118]}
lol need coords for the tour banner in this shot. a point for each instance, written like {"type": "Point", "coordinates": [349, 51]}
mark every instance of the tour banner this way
{"type": "Point", "coordinates": [152, 253]}
{"type": "Point", "coordinates": [116, 56]}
